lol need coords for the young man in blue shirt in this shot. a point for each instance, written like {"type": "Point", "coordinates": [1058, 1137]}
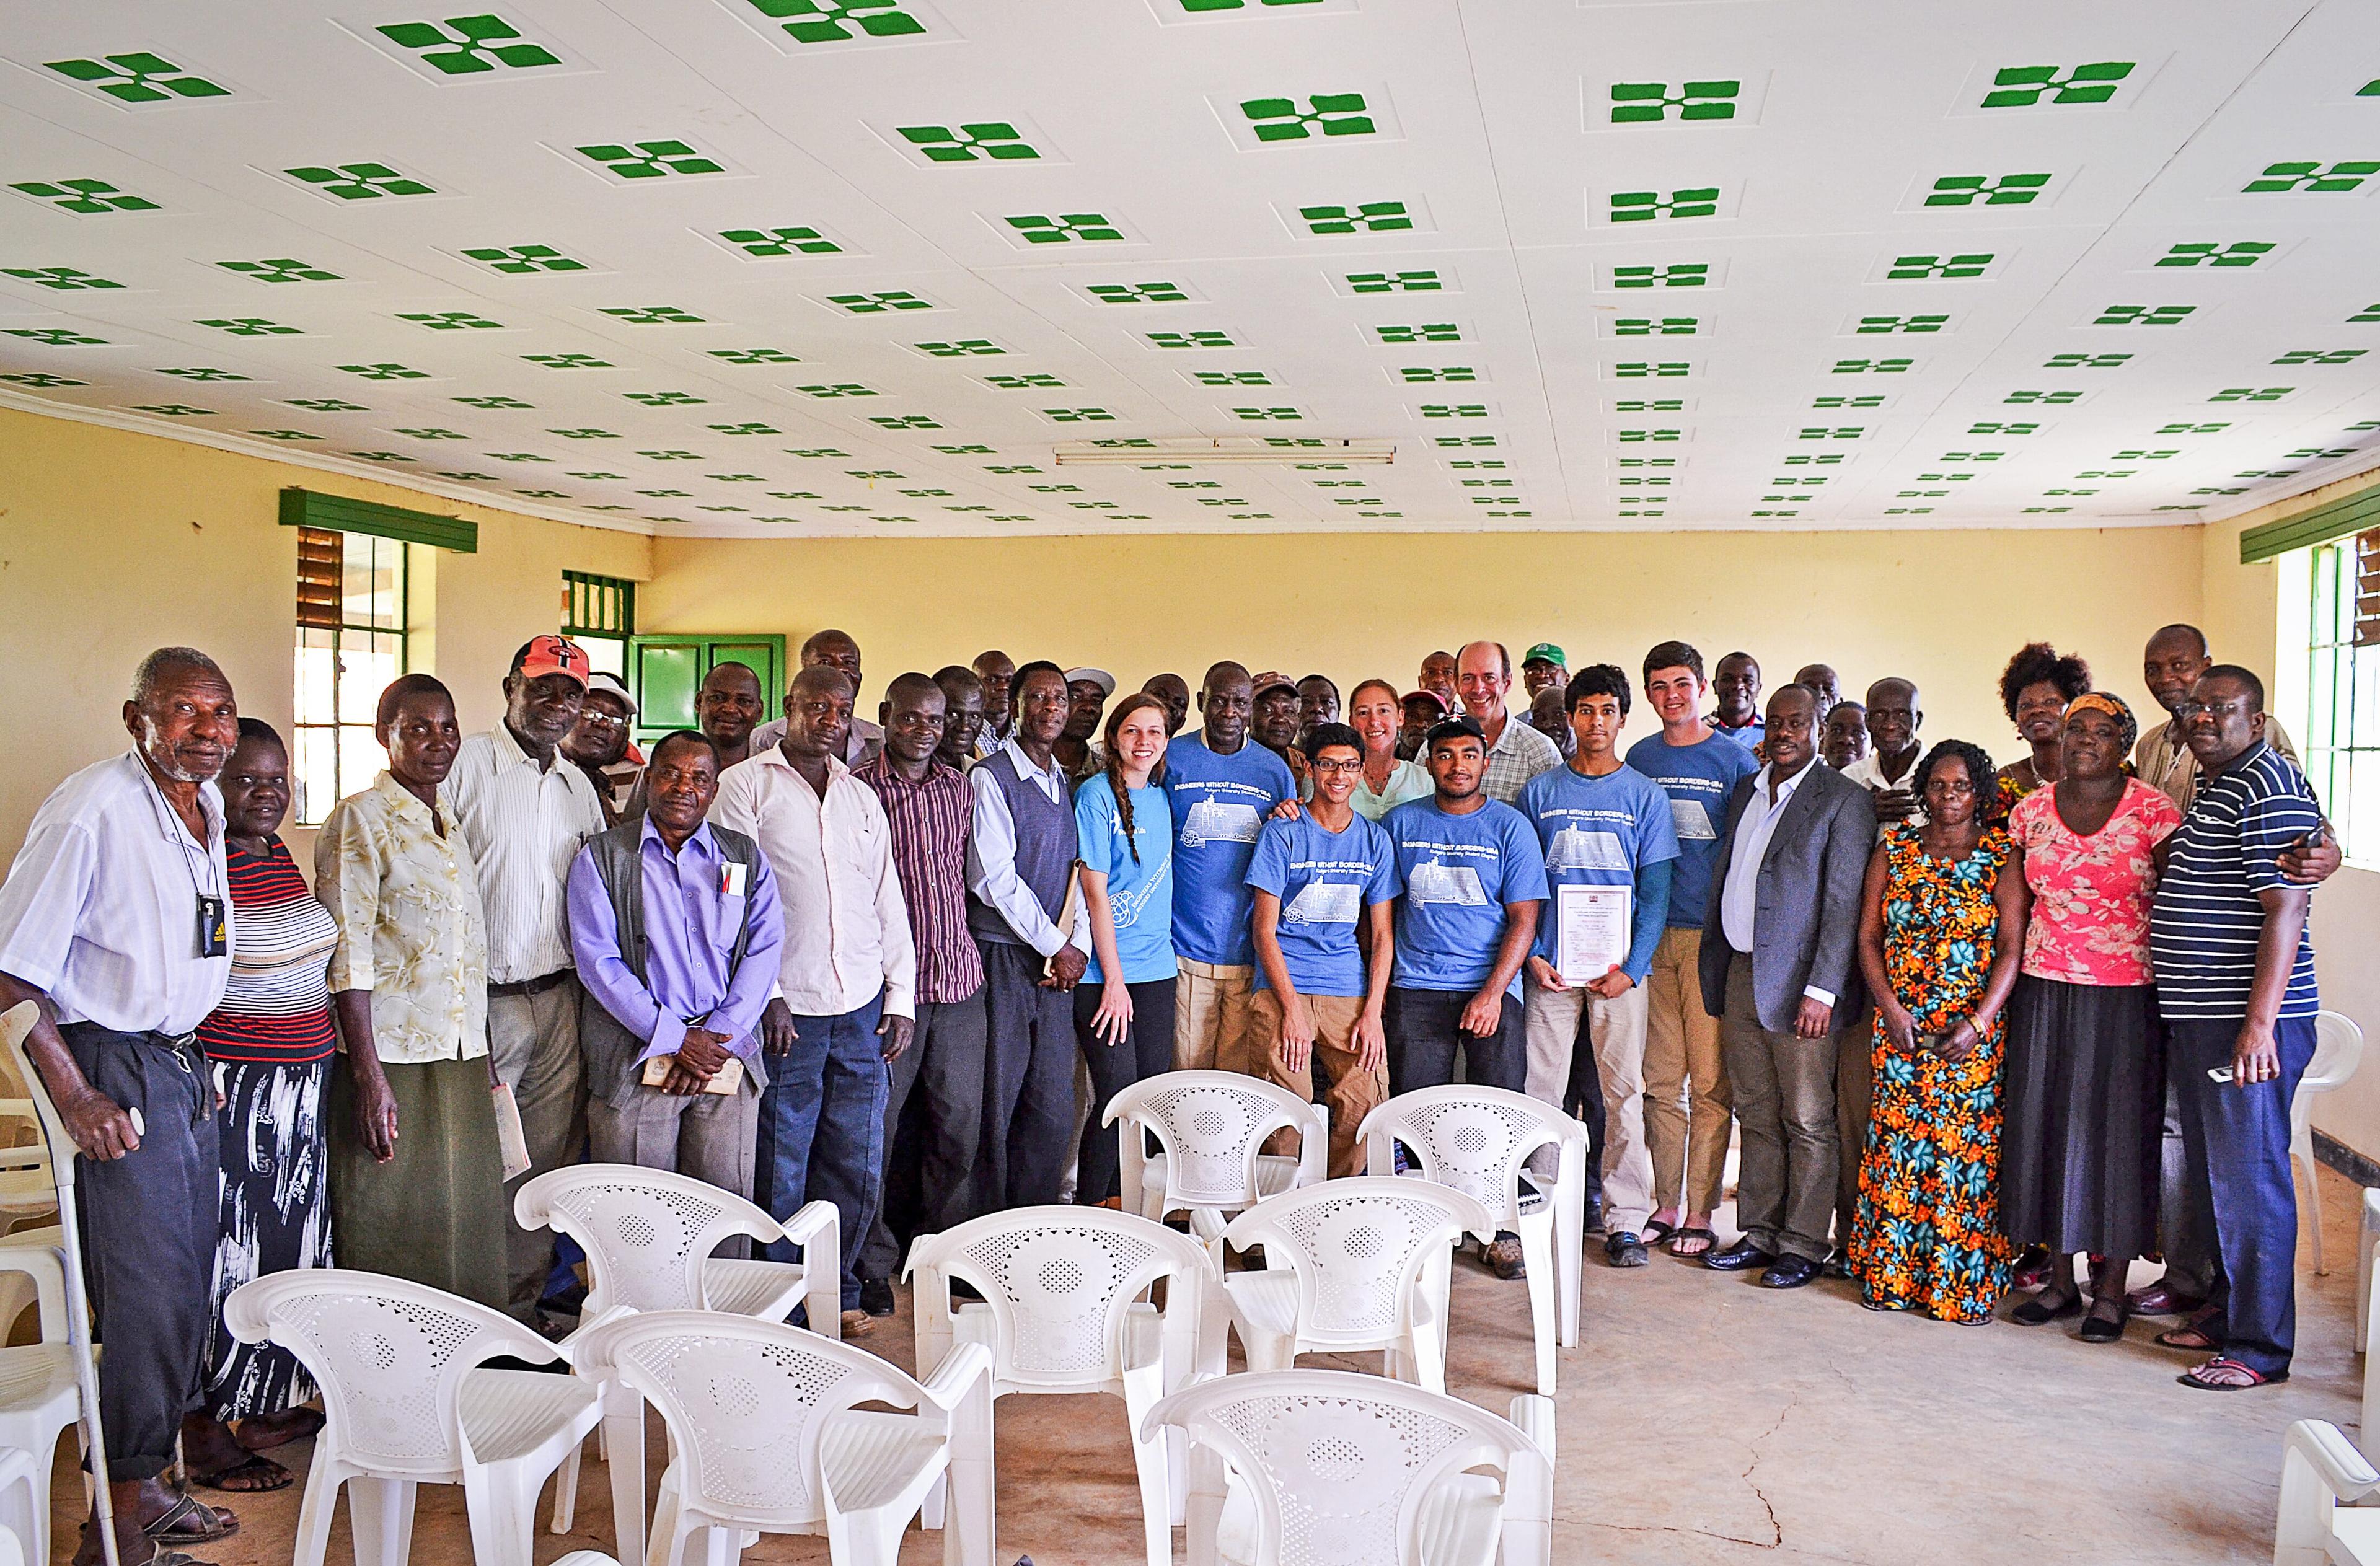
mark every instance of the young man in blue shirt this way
{"type": "Point", "coordinates": [1220, 788]}
{"type": "Point", "coordinates": [1601, 823]}
{"type": "Point", "coordinates": [1325, 884]}
{"type": "Point", "coordinates": [1473, 876]}
{"type": "Point", "coordinates": [1698, 769]}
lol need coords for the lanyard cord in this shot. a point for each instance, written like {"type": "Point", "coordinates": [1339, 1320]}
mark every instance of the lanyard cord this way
{"type": "Point", "coordinates": [172, 828]}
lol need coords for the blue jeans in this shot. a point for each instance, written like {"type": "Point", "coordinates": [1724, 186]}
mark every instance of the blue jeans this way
{"type": "Point", "coordinates": [2236, 1138]}
{"type": "Point", "coordinates": [823, 1130]}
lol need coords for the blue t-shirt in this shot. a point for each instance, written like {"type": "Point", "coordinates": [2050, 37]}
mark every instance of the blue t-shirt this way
{"type": "Point", "coordinates": [1220, 805]}
{"type": "Point", "coordinates": [1457, 873]}
{"type": "Point", "coordinates": [1599, 831]}
{"type": "Point", "coordinates": [1325, 883]}
{"type": "Point", "coordinates": [1752, 733]}
{"type": "Point", "coordinates": [1140, 896]}
{"type": "Point", "coordinates": [1698, 779]}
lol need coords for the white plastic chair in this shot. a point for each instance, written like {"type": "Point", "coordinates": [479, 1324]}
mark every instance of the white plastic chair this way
{"type": "Point", "coordinates": [1322, 1467]}
{"type": "Point", "coordinates": [24, 1511]}
{"type": "Point", "coordinates": [1063, 1312]}
{"type": "Point", "coordinates": [1478, 1140]}
{"type": "Point", "coordinates": [649, 1235]}
{"type": "Point", "coordinates": [765, 1438]}
{"type": "Point", "coordinates": [74, 1301]}
{"type": "Point", "coordinates": [2366, 1240]}
{"type": "Point", "coordinates": [1352, 1265]}
{"type": "Point", "coordinates": [408, 1400]}
{"type": "Point", "coordinates": [1210, 1128]}
{"type": "Point", "coordinates": [2337, 1050]}
{"type": "Point", "coordinates": [2323, 1478]}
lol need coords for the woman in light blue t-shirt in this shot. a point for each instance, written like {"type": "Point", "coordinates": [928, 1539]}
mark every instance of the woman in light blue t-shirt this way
{"type": "Point", "coordinates": [1124, 1007]}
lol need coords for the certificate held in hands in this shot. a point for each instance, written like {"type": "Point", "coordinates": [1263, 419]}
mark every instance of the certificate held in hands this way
{"type": "Point", "coordinates": [1592, 924]}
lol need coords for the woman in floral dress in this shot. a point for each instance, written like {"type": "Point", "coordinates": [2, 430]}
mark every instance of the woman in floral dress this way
{"type": "Point", "coordinates": [1940, 936]}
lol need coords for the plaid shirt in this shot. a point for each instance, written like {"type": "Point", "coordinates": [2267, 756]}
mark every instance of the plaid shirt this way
{"type": "Point", "coordinates": [1518, 754]}
{"type": "Point", "coordinates": [929, 820]}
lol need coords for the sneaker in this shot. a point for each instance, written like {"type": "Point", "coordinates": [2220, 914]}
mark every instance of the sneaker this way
{"type": "Point", "coordinates": [1623, 1248]}
{"type": "Point", "coordinates": [876, 1296]}
{"type": "Point", "coordinates": [858, 1324]}
{"type": "Point", "coordinates": [1504, 1256]}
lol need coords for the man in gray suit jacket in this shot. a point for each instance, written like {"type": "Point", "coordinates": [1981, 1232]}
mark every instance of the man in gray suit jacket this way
{"type": "Point", "coordinates": [1779, 970]}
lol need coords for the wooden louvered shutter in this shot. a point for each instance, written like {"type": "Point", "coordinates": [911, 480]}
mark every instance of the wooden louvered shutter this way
{"type": "Point", "coordinates": [321, 558]}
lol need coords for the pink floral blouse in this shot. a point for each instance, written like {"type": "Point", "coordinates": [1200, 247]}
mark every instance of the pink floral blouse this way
{"type": "Point", "coordinates": [2090, 895]}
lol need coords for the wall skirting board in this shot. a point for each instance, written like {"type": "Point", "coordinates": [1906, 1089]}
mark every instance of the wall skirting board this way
{"type": "Point", "coordinates": [2337, 1154]}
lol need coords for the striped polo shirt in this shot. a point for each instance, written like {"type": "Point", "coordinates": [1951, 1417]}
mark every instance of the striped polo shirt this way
{"type": "Point", "coordinates": [2204, 929]}
{"type": "Point", "coordinates": [276, 1008]}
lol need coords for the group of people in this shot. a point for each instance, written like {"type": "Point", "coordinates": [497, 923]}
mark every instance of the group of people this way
{"type": "Point", "coordinates": [1968, 1021]}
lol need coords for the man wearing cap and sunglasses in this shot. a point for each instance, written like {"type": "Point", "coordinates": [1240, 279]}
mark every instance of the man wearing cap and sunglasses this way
{"type": "Point", "coordinates": [598, 745]}
{"type": "Point", "coordinates": [524, 810]}
{"type": "Point", "coordinates": [1544, 668]}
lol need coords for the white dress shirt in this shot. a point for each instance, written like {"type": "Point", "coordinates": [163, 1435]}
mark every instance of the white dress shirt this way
{"type": "Point", "coordinates": [1868, 772]}
{"type": "Point", "coordinates": [864, 740]}
{"type": "Point", "coordinates": [847, 929]}
{"type": "Point", "coordinates": [1740, 897]}
{"type": "Point", "coordinates": [100, 911]}
{"type": "Point", "coordinates": [524, 827]}
{"type": "Point", "coordinates": [992, 857]}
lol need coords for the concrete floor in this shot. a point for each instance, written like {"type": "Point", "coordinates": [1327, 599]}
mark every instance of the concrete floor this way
{"type": "Point", "coordinates": [1706, 1420]}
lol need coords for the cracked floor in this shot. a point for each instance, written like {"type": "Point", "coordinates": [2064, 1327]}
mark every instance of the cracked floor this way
{"type": "Point", "coordinates": [1703, 1420]}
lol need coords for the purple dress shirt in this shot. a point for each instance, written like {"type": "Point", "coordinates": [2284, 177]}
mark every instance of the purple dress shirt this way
{"type": "Point", "coordinates": [690, 929]}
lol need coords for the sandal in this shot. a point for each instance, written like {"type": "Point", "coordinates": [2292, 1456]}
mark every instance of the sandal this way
{"type": "Point", "coordinates": [2191, 1336]}
{"type": "Point", "coordinates": [2223, 1374]}
{"type": "Point", "coordinates": [2098, 1329]}
{"type": "Point", "coordinates": [251, 1476]}
{"type": "Point", "coordinates": [265, 1432]}
{"type": "Point", "coordinates": [165, 1530]}
{"type": "Point", "coordinates": [1681, 1242]}
{"type": "Point", "coordinates": [2032, 1313]}
{"type": "Point", "coordinates": [1656, 1233]}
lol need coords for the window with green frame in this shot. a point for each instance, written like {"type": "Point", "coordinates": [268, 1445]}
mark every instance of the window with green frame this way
{"type": "Point", "coordinates": [2341, 745]}
{"type": "Point", "coordinates": [351, 643]}
{"type": "Point", "coordinates": [600, 615]}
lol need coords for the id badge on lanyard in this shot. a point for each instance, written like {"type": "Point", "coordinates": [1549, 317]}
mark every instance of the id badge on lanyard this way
{"type": "Point", "coordinates": [215, 928]}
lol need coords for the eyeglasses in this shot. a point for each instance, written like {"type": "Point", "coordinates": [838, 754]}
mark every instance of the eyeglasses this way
{"type": "Point", "coordinates": [2188, 711]}
{"type": "Point", "coordinates": [595, 720]}
{"type": "Point", "coordinates": [1338, 766]}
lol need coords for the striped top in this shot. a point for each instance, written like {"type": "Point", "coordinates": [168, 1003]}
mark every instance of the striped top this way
{"type": "Point", "coordinates": [276, 1008]}
{"type": "Point", "coordinates": [2204, 929]}
{"type": "Point", "coordinates": [929, 820]}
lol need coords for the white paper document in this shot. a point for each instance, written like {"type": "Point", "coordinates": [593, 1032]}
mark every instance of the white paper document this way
{"type": "Point", "coordinates": [1591, 930]}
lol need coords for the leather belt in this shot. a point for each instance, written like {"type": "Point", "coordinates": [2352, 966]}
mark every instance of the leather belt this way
{"type": "Point", "coordinates": [537, 986]}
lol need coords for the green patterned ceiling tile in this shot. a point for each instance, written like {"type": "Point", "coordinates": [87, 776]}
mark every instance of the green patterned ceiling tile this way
{"type": "Point", "coordinates": [979, 141]}
{"type": "Point", "coordinates": [2312, 177]}
{"type": "Point", "coordinates": [42, 381]}
{"type": "Point", "coordinates": [1022, 382]}
{"type": "Point", "coordinates": [1078, 414]}
{"type": "Point", "coordinates": [1676, 275]}
{"type": "Point", "coordinates": [2025, 87]}
{"type": "Point", "coordinates": [522, 260]}
{"type": "Point", "coordinates": [1642, 102]}
{"type": "Point", "coordinates": [1645, 206]}
{"type": "Point", "coordinates": [469, 46]}
{"type": "Point", "coordinates": [1418, 282]}
{"type": "Point", "coordinates": [2252, 394]}
{"type": "Point", "coordinates": [879, 303]}
{"type": "Point", "coordinates": [746, 429]}
{"type": "Point", "coordinates": [1871, 366]}
{"type": "Point", "coordinates": [962, 348]}
{"type": "Point", "coordinates": [570, 361]}
{"type": "Point", "coordinates": [2143, 315]}
{"type": "Point", "coordinates": [1991, 190]}
{"type": "Point", "coordinates": [138, 80]}
{"type": "Point", "coordinates": [1363, 217]}
{"type": "Point", "coordinates": [1137, 293]}
{"type": "Point", "coordinates": [1231, 378]}
{"type": "Point", "coordinates": [282, 269]}
{"type": "Point", "coordinates": [327, 405]}
{"type": "Point", "coordinates": [434, 432]}
{"type": "Point", "coordinates": [450, 320]}
{"type": "Point", "coordinates": [380, 455]}
{"type": "Point", "coordinates": [2320, 355]}
{"type": "Point", "coordinates": [62, 279]}
{"type": "Point", "coordinates": [754, 356]}
{"type": "Point", "coordinates": [2239, 253]}
{"type": "Point", "coordinates": [1938, 267]}
{"type": "Point", "coordinates": [57, 337]}
{"type": "Point", "coordinates": [1321, 114]}
{"type": "Point", "coordinates": [654, 315]}
{"type": "Point", "coordinates": [2060, 399]}
{"type": "Point", "coordinates": [2086, 361]}
{"type": "Point", "coordinates": [358, 182]}
{"type": "Point", "coordinates": [1411, 373]}
{"type": "Point", "coordinates": [493, 402]}
{"type": "Point", "coordinates": [1064, 228]}
{"type": "Point", "coordinates": [903, 421]}
{"type": "Point", "coordinates": [174, 410]}
{"type": "Point", "coordinates": [769, 244]}
{"type": "Point", "coordinates": [837, 389]}
{"type": "Point", "coordinates": [839, 21]}
{"type": "Point", "coordinates": [84, 197]}
{"type": "Point", "coordinates": [302, 435]}
{"type": "Point", "coordinates": [588, 434]}
{"type": "Point", "coordinates": [1426, 332]}
{"type": "Point", "coordinates": [386, 371]}
{"type": "Point", "coordinates": [663, 159]}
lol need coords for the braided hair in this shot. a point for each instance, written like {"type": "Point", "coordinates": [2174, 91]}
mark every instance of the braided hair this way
{"type": "Point", "coordinates": [1138, 701]}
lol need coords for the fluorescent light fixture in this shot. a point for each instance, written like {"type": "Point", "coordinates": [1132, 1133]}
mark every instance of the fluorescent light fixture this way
{"type": "Point", "coordinates": [1243, 451]}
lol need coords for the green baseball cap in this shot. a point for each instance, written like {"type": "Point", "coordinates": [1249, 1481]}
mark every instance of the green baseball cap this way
{"type": "Point", "coordinates": [1545, 652]}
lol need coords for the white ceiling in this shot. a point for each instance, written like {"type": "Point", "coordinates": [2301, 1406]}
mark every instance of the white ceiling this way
{"type": "Point", "coordinates": [671, 380]}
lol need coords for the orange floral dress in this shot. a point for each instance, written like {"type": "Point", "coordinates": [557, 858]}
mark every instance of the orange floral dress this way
{"type": "Point", "coordinates": [1927, 1234]}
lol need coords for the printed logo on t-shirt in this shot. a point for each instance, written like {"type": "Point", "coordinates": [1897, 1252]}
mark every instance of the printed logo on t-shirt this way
{"type": "Point", "coordinates": [1215, 820]}
{"type": "Point", "coordinates": [1326, 903]}
{"type": "Point", "coordinates": [1691, 822]}
{"type": "Point", "coordinates": [1434, 881]}
{"type": "Point", "coordinates": [1125, 906]}
{"type": "Point", "coordinates": [1573, 849]}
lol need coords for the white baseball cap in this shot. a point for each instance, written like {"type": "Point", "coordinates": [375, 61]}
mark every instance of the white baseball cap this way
{"type": "Point", "coordinates": [600, 684]}
{"type": "Point", "coordinates": [1099, 678]}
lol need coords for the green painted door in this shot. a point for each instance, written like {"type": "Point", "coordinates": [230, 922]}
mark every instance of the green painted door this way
{"type": "Point", "coordinates": [664, 673]}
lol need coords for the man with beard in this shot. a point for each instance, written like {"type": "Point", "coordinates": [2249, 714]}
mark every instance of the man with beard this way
{"type": "Point", "coordinates": [523, 812]}
{"type": "Point", "coordinates": [1318, 703]}
{"type": "Point", "coordinates": [115, 921]}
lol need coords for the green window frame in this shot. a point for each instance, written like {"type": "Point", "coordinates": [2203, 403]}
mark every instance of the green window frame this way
{"type": "Point", "coordinates": [599, 614]}
{"type": "Point", "coordinates": [2341, 745]}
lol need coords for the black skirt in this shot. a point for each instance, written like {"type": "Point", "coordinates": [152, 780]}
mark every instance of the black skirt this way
{"type": "Point", "coordinates": [2085, 1100]}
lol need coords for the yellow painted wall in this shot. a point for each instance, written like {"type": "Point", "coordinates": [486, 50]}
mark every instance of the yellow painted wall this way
{"type": "Point", "coordinates": [1944, 608]}
{"type": "Point", "coordinates": [112, 543]}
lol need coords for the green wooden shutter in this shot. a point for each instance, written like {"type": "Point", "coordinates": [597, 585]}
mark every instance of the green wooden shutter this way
{"type": "Point", "coordinates": [2348, 513]}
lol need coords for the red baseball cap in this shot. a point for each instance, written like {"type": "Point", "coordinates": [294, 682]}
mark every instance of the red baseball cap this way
{"type": "Point", "coordinates": [553, 655]}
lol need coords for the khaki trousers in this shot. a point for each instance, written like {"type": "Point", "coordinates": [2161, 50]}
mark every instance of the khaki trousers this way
{"type": "Point", "coordinates": [1213, 1029]}
{"type": "Point", "coordinates": [533, 1041]}
{"type": "Point", "coordinates": [1687, 1101]}
{"type": "Point", "coordinates": [1615, 1031]}
{"type": "Point", "coordinates": [1785, 1106]}
{"type": "Point", "coordinates": [1354, 1092]}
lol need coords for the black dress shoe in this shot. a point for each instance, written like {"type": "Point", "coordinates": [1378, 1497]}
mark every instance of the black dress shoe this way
{"type": "Point", "coordinates": [1789, 1272]}
{"type": "Point", "coordinates": [1742, 1256]}
{"type": "Point", "coordinates": [876, 1296]}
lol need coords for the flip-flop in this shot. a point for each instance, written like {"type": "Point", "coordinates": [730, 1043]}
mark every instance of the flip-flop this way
{"type": "Point", "coordinates": [163, 1530]}
{"type": "Point", "coordinates": [2194, 1377]}
{"type": "Point", "coordinates": [1656, 1233]}
{"type": "Point", "coordinates": [1694, 1232]}
{"type": "Point", "coordinates": [2191, 1337]}
{"type": "Point", "coordinates": [268, 1474]}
